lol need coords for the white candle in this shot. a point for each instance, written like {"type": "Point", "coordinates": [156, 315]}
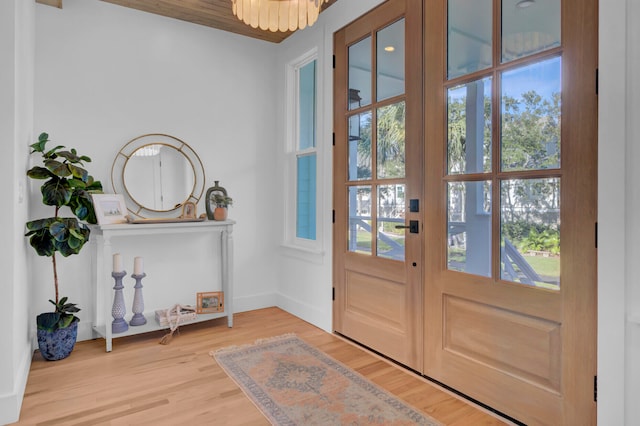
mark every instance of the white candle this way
{"type": "Point", "coordinates": [138, 268]}
{"type": "Point", "coordinates": [117, 263]}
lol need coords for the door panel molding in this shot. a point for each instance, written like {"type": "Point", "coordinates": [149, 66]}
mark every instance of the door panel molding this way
{"type": "Point", "coordinates": [520, 345]}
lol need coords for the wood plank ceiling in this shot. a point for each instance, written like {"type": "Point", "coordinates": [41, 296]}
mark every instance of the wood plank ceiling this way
{"type": "Point", "coordinates": [211, 13]}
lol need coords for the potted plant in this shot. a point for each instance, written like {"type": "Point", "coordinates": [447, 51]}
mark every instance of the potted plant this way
{"type": "Point", "coordinates": [221, 201]}
{"type": "Point", "coordinates": [67, 183]}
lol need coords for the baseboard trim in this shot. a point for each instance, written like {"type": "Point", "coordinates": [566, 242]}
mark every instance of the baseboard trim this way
{"type": "Point", "coordinates": [306, 312]}
{"type": "Point", "coordinates": [10, 404]}
{"type": "Point", "coordinates": [254, 302]}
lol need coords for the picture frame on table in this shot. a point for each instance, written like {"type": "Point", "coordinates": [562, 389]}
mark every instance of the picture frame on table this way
{"type": "Point", "coordinates": [110, 208]}
{"type": "Point", "coordinates": [210, 302]}
{"type": "Point", "coordinates": [189, 210]}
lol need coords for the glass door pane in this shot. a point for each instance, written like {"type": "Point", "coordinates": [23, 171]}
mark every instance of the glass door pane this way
{"type": "Point", "coordinates": [530, 111]}
{"type": "Point", "coordinates": [390, 141]}
{"type": "Point", "coordinates": [390, 61]}
{"type": "Point", "coordinates": [469, 127]}
{"type": "Point", "coordinates": [530, 231]}
{"type": "Point", "coordinates": [360, 154]}
{"type": "Point", "coordinates": [360, 74]}
{"type": "Point", "coordinates": [391, 213]}
{"type": "Point", "coordinates": [469, 39]}
{"type": "Point", "coordinates": [359, 230]}
{"type": "Point", "coordinates": [469, 227]}
{"type": "Point", "coordinates": [528, 27]}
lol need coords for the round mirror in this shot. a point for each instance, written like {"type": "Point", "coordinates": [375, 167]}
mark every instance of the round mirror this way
{"type": "Point", "coordinates": [157, 174]}
{"type": "Point", "coordinates": [158, 177]}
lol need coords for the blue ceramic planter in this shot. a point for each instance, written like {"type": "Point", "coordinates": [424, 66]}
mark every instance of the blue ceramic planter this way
{"type": "Point", "coordinates": [55, 345]}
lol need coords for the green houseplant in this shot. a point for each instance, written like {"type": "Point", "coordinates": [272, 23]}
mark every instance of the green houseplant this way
{"type": "Point", "coordinates": [66, 183]}
{"type": "Point", "coordinates": [221, 201]}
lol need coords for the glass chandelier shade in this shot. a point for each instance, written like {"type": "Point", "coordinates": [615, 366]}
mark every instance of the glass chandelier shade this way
{"type": "Point", "coordinates": [277, 15]}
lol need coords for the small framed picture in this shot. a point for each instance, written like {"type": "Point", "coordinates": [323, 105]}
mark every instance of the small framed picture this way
{"type": "Point", "coordinates": [210, 302]}
{"type": "Point", "coordinates": [188, 210]}
{"type": "Point", "coordinates": [110, 208]}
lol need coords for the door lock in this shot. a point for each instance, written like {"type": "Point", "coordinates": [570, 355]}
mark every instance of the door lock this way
{"type": "Point", "coordinates": [414, 226]}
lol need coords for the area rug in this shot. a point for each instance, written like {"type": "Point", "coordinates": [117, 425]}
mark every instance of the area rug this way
{"type": "Point", "coordinates": [293, 383]}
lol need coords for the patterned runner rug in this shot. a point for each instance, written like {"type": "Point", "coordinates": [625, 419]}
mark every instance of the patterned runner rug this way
{"type": "Point", "coordinates": [293, 383]}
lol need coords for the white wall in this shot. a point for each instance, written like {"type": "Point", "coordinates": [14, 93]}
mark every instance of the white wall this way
{"type": "Point", "coordinates": [305, 279]}
{"type": "Point", "coordinates": [618, 210]}
{"type": "Point", "coordinates": [106, 74]}
{"type": "Point", "coordinates": [632, 223]}
{"type": "Point", "coordinates": [16, 119]}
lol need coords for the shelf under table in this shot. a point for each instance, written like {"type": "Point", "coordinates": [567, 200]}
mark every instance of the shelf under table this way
{"type": "Point", "coordinates": [152, 325]}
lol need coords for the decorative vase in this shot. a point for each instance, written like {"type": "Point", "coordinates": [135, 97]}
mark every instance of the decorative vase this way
{"type": "Point", "coordinates": [220, 213]}
{"type": "Point", "coordinates": [209, 204]}
{"type": "Point", "coordinates": [58, 344]}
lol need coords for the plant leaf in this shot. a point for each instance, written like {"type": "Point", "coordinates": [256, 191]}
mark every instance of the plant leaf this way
{"type": "Point", "coordinates": [42, 242]}
{"type": "Point", "coordinates": [58, 168]}
{"type": "Point", "coordinates": [48, 321]}
{"type": "Point", "coordinates": [56, 192]}
{"type": "Point", "coordinates": [39, 146]}
{"type": "Point", "coordinates": [78, 172]}
{"type": "Point", "coordinates": [82, 206]}
{"type": "Point", "coordinates": [58, 231]}
{"type": "Point", "coordinates": [74, 242]}
{"type": "Point", "coordinates": [76, 183]}
{"type": "Point", "coordinates": [39, 173]}
{"type": "Point", "coordinates": [52, 152]}
{"type": "Point", "coordinates": [38, 224]}
{"type": "Point", "coordinates": [65, 321]}
{"type": "Point", "coordinates": [69, 308]}
{"type": "Point", "coordinates": [71, 156]}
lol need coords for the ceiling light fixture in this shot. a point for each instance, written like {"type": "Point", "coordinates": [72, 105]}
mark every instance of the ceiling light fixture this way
{"type": "Point", "coordinates": [277, 15]}
{"type": "Point", "coordinates": [523, 4]}
{"type": "Point", "coordinates": [389, 49]}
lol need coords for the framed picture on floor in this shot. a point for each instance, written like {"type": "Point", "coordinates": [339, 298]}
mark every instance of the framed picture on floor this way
{"type": "Point", "coordinates": [210, 302]}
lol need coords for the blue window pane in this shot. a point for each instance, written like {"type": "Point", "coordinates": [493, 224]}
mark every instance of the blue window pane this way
{"type": "Point", "coordinates": [307, 104]}
{"type": "Point", "coordinates": [306, 198]}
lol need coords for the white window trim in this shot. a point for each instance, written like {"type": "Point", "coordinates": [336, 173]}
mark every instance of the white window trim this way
{"type": "Point", "coordinates": [290, 241]}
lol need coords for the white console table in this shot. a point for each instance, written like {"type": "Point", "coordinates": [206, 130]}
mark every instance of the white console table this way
{"type": "Point", "coordinates": [102, 237]}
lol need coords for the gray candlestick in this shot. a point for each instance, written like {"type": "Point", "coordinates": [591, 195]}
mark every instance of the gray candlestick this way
{"type": "Point", "coordinates": [118, 310]}
{"type": "Point", "coordinates": [138, 301]}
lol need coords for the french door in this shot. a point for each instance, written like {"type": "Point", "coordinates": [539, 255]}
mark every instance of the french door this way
{"type": "Point", "coordinates": [378, 152]}
{"type": "Point", "coordinates": [510, 289]}
{"type": "Point", "coordinates": [491, 165]}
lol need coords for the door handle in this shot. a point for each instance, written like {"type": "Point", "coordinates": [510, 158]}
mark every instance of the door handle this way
{"type": "Point", "coordinates": [413, 227]}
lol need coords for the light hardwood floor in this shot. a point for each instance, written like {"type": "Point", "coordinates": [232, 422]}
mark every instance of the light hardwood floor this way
{"type": "Point", "coordinates": [144, 383]}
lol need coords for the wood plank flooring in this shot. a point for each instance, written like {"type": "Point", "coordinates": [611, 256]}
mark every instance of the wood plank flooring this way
{"type": "Point", "coordinates": [144, 383]}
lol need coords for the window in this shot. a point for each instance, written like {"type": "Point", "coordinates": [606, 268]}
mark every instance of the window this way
{"type": "Point", "coordinates": [301, 229]}
{"type": "Point", "coordinates": [306, 156]}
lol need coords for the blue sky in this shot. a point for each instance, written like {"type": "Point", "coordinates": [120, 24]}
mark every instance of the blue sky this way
{"type": "Point", "coordinates": [543, 77]}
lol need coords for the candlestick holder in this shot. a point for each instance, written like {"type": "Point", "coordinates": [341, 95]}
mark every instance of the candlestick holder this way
{"type": "Point", "coordinates": [118, 310]}
{"type": "Point", "coordinates": [138, 301]}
